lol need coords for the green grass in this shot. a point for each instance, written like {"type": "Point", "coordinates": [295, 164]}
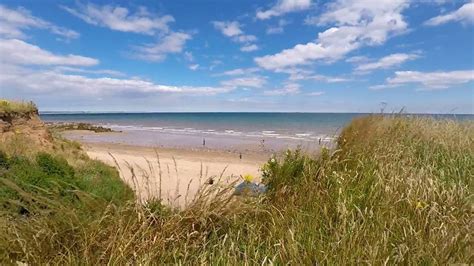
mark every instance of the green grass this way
{"type": "Point", "coordinates": [50, 177]}
{"type": "Point", "coordinates": [396, 190]}
{"type": "Point", "coordinates": [14, 107]}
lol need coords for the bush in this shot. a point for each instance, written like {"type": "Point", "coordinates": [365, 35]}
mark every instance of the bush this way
{"type": "Point", "coordinates": [24, 181]}
{"type": "Point", "coordinates": [51, 177]}
{"type": "Point", "coordinates": [288, 171]}
{"type": "Point", "coordinates": [103, 181]}
{"type": "Point", "coordinates": [56, 166]}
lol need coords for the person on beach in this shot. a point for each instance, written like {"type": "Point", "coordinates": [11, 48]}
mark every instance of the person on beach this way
{"type": "Point", "coordinates": [204, 142]}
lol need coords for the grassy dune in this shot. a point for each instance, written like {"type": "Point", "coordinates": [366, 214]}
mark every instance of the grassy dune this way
{"type": "Point", "coordinates": [396, 190]}
{"type": "Point", "coordinates": [9, 107]}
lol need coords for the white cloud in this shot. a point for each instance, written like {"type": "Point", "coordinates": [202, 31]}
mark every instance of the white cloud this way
{"type": "Point", "coordinates": [299, 55]}
{"type": "Point", "coordinates": [243, 100]}
{"type": "Point", "coordinates": [274, 30]}
{"type": "Point", "coordinates": [246, 82]}
{"type": "Point", "coordinates": [50, 81]}
{"type": "Point", "coordinates": [357, 59]}
{"type": "Point", "coordinates": [141, 21]}
{"type": "Point", "coordinates": [245, 38]}
{"type": "Point", "coordinates": [303, 74]}
{"type": "Point", "coordinates": [278, 28]}
{"type": "Point", "coordinates": [232, 29]}
{"type": "Point", "coordinates": [120, 19]}
{"type": "Point", "coordinates": [19, 61]}
{"type": "Point", "coordinates": [323, 78]}
{"type": "Point", "coordinates": [291, 88]}
{"type": "Point", "coordinates": [386, 62]}
{"type": "Point", "coordinates": [172, 43]}
{"type": "Point", "coordinates": [110, 72]}
{"type": "Point", "coordinates": [14, 21]}
{"type": "Point", "coordinates": [283, 7]}
{"type": "Point", "coordinates": [311, 20]}
{"type": "Point", "coordinates": [194, 67]}
{"type": "Point", "coordinates": [249, 48]}
{"type": "Point", "coordinates": [316, 93]}
{"type": "Point", "coordinates": [240, 71]}
{"type": "Point", "coordinates": [18, 52]}
{"type": "Point", "coordinates": [428, 80]}
{"type": "Point", "coordinates": [189, 56]}
{"type": "Point", "coordinates": [383, 86]}
{"type": "Point", "coordinates": [464, 14]}
{"type": "Point", "coordinates": [357, 24]}
{"type": "Point", "coordinates": [214, 64]}
{"type": "Point", "coordinates": [228, 28]}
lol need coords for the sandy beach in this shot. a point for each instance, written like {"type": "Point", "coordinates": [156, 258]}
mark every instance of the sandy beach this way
{"type": "Point", "coordinates": [174, 166]}
{"type": "Point", "coordinates": [173, 174]}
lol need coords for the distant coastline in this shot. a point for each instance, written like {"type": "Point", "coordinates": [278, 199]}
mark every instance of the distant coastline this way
{"type": "Point", "coordinates": [231, 112]}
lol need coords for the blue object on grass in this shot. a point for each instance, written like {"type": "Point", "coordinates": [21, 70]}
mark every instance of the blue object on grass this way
{"type": "Point", "coordinates": [249, 189]}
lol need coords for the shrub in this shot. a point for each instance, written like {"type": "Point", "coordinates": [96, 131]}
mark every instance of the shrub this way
{"type": "Point", "coordinates": [103, 181]}
{"type": "Point", "coordinates": [55, 166]}
{"type": "Point", "coordinates": [287, 171]}
{"type": "Point", "coordinates": [52, 177]}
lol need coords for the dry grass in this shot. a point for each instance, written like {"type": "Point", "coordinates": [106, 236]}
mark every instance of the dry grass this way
{"type": "Point", "coordinates": [14, 107]}
{"type": "Point", "coordinates": [396, 190]}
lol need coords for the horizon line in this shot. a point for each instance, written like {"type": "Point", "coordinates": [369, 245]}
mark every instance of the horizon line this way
{"type": "Point", "coordinates": [235, 112]}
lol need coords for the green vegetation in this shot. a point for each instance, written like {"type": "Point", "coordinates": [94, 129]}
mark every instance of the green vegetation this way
{"type": "Point", "coordinates": [11, 107]}
{"type": "Point", "coordinates": [49, 176]}
{"type": "Point", "coordinates": [396, 190]}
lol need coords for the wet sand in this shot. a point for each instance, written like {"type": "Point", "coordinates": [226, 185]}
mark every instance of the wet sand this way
{"type": "Point", "coordinates": [180, 140]}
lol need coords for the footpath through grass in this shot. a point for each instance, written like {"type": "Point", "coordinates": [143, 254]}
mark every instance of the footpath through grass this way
{"type": "Point", "coordinates": [396, 190]}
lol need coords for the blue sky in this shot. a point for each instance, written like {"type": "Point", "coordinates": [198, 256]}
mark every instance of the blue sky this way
{"type": "Point", "coordinates": [284, 55]}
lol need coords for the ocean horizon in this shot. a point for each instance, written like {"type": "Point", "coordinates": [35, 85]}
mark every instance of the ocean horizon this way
{"type": "Point", "coordinates": [248, 112]}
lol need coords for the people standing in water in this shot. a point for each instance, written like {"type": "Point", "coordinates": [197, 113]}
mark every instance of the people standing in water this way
{"type": "Point", "coordinates": [204, 142]}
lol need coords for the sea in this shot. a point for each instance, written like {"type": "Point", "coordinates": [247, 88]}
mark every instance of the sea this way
{"type": "Point", "coordinates": [231, 131]}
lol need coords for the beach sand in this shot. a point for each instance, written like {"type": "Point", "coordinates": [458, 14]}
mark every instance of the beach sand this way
{"type": "Point", "coordinates": [183, 171]}
{"type": "Point", "coordinates": [185, 165]}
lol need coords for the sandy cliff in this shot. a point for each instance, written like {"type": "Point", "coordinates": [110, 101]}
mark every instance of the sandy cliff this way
{"type": "Point", "coordinates": [24, 124]}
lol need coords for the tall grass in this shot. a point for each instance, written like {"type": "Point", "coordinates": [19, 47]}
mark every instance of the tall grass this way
{"type": "Point", "coordinates": [395, 190]}
{"type": "Point", "coordinates": [13, 107]}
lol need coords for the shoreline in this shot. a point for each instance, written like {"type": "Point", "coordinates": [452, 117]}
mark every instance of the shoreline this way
{"type": "Point", "coordinates": [196, 154]}
{"type": "Point", "coordinates": [232, 144]}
